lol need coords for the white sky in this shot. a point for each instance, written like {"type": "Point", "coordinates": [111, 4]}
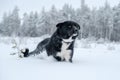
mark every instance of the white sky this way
{"type": "Point", "coordinates": [37, 5]}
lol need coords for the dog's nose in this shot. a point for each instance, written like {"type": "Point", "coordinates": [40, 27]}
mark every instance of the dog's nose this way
{"type": "Point", "coordinates": [75, 31]}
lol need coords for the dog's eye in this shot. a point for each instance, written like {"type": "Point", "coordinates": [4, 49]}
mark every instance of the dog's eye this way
{"type": "Point", "coordinates": [70, 26]}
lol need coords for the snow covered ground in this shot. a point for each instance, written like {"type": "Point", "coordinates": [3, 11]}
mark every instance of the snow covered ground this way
{"type": "Point", "coordinates": [91, 61]}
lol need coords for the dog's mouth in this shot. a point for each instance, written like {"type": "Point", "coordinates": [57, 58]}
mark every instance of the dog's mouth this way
{"type": "Point", "coordinates": [70, 38]}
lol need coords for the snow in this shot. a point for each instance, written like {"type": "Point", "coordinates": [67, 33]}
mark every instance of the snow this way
{"type": "Point", "coordinates": [91, 61]}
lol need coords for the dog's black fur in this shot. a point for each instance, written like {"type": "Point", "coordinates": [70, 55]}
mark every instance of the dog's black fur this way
{"type": "Point", "coordinates": [65, 34]}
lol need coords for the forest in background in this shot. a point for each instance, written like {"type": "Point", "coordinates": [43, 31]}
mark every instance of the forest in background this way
{"type": "Point", "coordinates": [102, 23]}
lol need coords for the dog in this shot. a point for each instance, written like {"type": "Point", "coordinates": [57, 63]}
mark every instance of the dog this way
{"type": "Point", "coordinates": [61, 44]}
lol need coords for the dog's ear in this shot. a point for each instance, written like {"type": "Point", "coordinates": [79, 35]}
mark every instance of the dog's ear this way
{"type": "Point", "coordinates": [59, 25]}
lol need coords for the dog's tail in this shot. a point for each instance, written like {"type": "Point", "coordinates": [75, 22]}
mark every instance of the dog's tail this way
{"type": "Point", "coordinates": [40, 47]}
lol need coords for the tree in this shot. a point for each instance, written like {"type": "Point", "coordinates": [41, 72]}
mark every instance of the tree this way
{"type": "Point", "coordinates": [15, 21]}
{"type": "Point", "coordinates": [25, 25]}
{"type": "Point", "coordinates": [11, 23]}
{"type": "Point", "coordinates": [68, 12]}
{"type": "Point", "coordinates": [1, 30]}
{"type": "Point", "coordinates": [43, 23]}
{"type": "Point", "coordinates": [93, 28]}
{"type": "Point", "coordinates": [116, 26]}
{"type": "Point", "coordinates": [4, 24]}
{"type": "Point", "coordinates": [84, 20]}
{"type": "Point", "coordinates": [105, 21]}
{"type": "Point", "coordinates": [29, 25]}
{"type": "Point", "coordinates": [54, 18]}
{"type": "Point", "coordinates": [32, 24]}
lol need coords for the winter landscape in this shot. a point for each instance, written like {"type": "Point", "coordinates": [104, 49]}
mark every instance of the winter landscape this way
{"type": "Point", "coordinates": [97, 48]}
{"type": "Point", "coordinates": [91, 61]}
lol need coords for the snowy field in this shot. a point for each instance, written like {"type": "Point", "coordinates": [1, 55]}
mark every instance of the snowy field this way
{"type": "Point", "coordinates": [92, 61]}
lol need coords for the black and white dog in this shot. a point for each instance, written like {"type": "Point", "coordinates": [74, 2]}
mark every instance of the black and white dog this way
{"type": "Point", "coordinates": [61, 43]}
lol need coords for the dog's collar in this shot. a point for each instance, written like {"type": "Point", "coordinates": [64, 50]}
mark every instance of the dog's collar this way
{"type": "Point", "coordinates": [63, 40]}
{"type": "Point", "coordinates": [66, 42]}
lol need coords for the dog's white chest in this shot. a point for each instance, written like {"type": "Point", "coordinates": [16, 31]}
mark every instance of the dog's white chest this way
{"type": "Point", "coordinates": [65, 53]}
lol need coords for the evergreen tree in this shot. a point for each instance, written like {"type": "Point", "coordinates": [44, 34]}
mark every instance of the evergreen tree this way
{"type": "Point", "coordinates": [116, 25]}
{"type": "Point", "coordinates": [11, 23]}
{"type": "Point", "coordinates": [29, 25]}
{"type": "Point", "coordinates": [25, 25]}
{"type": "Point", "coordinates": [43, 23]}
{"type": "Point", "coordinates": [84, 20]}
{"type": "Point", "coordinates": [102, 23]}
{"type": "Point", "coordinates": [54, 18]}
{"type": "Point", "coordinates": [105, 21]}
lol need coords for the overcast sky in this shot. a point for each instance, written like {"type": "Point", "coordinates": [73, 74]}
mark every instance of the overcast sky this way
{"type": "Point", "coordinates": [36, 5]}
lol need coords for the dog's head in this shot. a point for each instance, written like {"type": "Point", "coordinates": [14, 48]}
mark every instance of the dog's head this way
{"type": "Point", "coordinates": [68, 29]}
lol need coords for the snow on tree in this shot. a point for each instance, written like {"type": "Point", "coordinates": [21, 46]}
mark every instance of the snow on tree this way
{"type": "Point", "coordinates": [54, 18]}
{"type": "Point", "coordinates": [105, 21]}
{"type": "Point", "coordinates": [29, 25]}
{"type": "Point", "coordinates": [43, 23]}
{"type": "Point", "coordinates": [1, 30]}
{"type": "Point", "coordinates": [93, 29]}
{"type": "Point", "coordinates": [67, 12]}
{"type": "Point", "coordinates": [98, 23]}
{"type": "Point", "coordinates": [11, 23]}
{"type": "Point", "coordinates": [32, 25]}
{"type": "Point", "coordinates": [116, 25]}
{"type": "Point", "coordinates": [84, 19]}
{"type": "Point", "coordinates": [25, 25]}
{"type": "Point", "coordinates": [6, 29]}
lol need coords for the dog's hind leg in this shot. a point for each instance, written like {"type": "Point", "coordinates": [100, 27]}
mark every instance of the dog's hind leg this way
{"type": "Point", "coordinates": [35, 52]}
{"type": "Point", "coordinates": [26, 52]}
{"type": "Point", "coordinates": [40, 47]}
